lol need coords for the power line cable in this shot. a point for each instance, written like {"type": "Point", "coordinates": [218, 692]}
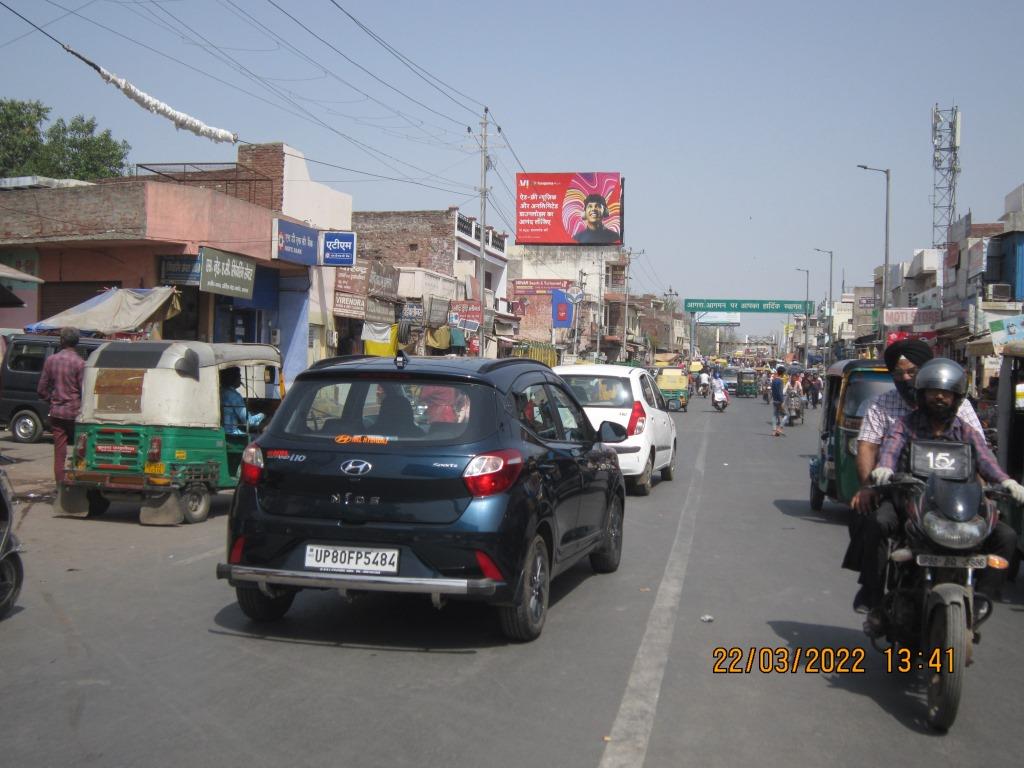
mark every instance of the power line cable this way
{"type": "Point", "coordinates": [26, 34]}
{"type": "Point", "coordinates": [411, 65]}
{"type": "Point", "coordinates": [364, 69]}
{"type": "Point", "coordinates": [366, 148]}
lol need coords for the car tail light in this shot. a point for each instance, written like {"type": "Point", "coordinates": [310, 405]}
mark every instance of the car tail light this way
{"type": "Point", "coordinates": [80, 446]}
{"type": "Point", "coordinates": [155, 446]}
{"type": "Point", "coordinates": [493, 472]}
{"type": "Point", "coordinates": [487, 567]}
{"type": "Point", "coordinates": [252, 464]}
{"type": "Point", "coordinates": [235, 556]}
{"type": "Point", "coordinates": [637, 420]}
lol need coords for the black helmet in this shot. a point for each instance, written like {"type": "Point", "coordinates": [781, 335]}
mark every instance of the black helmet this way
{"type": "Point", "coordinates": [941, 373]}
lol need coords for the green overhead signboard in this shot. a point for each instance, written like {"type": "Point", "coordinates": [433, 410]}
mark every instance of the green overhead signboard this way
{"type": "Point", "coordinates": [749, 305]}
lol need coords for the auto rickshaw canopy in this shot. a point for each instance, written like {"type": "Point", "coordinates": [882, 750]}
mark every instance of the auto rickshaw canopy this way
{"type": "Point", "coordinates": [171, 383]}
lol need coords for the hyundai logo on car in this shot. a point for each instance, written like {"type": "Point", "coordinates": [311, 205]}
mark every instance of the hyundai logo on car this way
{"type": "Point", "coordinates": [356, 467]}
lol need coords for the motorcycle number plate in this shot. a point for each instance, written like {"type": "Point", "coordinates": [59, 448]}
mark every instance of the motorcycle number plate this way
{"type": "Point", "coordinates": [952, 561]}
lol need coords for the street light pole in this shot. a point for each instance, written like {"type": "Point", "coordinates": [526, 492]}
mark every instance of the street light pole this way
{"type": "Point", "coordinates": [831, 340]}
{"type": "Point", "coordinates": [807, 315]}
{"type": "Point", "coordinates": [669, 295]}
{"type": "Point", "coordinates": [885, 268]}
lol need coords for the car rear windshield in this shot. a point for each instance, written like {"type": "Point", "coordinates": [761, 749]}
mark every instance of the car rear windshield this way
{"type": "Point", "coordinates": [862, 388]}
{"type": "Point", "coordinates": [384, 411]}
{"type": "Point", "coordinates": [601, 391]}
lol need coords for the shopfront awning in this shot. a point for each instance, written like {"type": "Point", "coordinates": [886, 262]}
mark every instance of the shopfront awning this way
{"type": "Point", "coordinates": [118, 310]}
{"type": "Point", "coordinates": [980, 347]}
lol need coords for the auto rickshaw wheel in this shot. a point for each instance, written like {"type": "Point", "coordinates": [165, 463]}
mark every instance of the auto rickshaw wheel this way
{"type": "Point", "coordinates": [97, 503]}
{"type": "Point", "coordinates": [195, 503]}
{"type": "Point", "coordinates": [817, 497]}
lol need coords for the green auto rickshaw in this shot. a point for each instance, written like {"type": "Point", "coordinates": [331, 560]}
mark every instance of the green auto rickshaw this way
{"type": "Point", "coordinates": [151, 432]}
{"type": "Point", "coordinates": [1009, 424]}
{"type": "Point", "coordinates": [850, 385]}
{"type": "Point", "coordinates": [746, 383]}
{"type": "Point", "coordinates": [674, 384]}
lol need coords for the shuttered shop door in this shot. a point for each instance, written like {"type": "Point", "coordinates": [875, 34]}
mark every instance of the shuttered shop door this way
{"type": "Point", "coordinates": [56, 297]}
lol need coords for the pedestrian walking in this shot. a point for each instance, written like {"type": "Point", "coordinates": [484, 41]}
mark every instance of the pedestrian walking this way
{"type": "Point", "coordinates": [61, 386]}
{"type": "Point", "coordinates": [778, 388]}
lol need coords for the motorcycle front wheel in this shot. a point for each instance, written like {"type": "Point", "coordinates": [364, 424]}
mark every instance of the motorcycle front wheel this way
{"type": "Point", "coordinates": [944, 664]}
{"type": "Point", "coordinates": [11, 575]}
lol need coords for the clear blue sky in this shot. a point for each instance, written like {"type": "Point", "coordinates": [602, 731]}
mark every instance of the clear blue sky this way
{"type": "Point", "coordinates": [738, 125]}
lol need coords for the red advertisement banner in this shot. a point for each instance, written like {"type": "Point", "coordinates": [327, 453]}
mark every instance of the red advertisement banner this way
{"type": "Point", "coordinates": [569, 209]}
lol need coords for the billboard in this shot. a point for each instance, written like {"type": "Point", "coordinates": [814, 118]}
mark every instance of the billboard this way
{"type": "Point", "coordinates": [569, 209]}
{"type": "Point", "coordinates": [719, 318]}
{"type": "Point", "coordinates": [295, 243]}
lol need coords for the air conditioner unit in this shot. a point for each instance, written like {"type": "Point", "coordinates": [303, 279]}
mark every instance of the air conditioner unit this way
{"type": "Point", "coordinates": [998, 292]}
{"type": "Point", "coordinates": [275, 336]}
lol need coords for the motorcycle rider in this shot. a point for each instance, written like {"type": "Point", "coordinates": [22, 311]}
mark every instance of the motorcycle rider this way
{"type": "Point", "coordinates": [941, 386]}
{"type": "Point", "coordinates": [705, 382]}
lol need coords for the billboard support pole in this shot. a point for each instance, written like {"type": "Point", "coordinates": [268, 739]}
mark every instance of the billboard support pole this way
{"type": "Point", "coordinates": [483, 231]}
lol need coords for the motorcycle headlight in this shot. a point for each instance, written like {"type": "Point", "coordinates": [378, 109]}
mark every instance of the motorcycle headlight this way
{"type": "Point", "coordinates": [953, 535]}
{"type": "Point", "coordinates": [851, 446]}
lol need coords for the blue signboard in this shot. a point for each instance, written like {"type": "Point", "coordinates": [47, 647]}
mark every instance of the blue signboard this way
{"type": "Point", "coordinates": [179, 270]}
{"type": "Point", "coordinates": [295, 243]}
{"type": "Point", "coordinates": [339, 249]}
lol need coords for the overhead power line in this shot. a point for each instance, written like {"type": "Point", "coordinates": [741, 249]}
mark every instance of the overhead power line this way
{"type": "Point", "coordinates": [411, 65]}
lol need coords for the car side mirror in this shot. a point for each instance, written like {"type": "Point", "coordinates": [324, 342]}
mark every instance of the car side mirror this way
{"type": "Point", "coordinates": [610, 432]}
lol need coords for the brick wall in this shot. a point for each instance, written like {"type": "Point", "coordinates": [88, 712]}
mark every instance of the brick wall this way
{"type": "Point", "coordinates": [267, 159]}
{"type": "Point", "coordinates": [424, 239]}
{"type": "Point", "coordinates": [99, 212]}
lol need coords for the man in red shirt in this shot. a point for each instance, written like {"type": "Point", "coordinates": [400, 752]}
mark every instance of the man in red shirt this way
{"type": "Point", "coordinates": [61, 386]}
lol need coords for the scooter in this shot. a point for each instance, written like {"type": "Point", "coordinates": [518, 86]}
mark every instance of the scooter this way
{"type": "Point", "coordinates": [720, 400]}
{"type": "Point", "coordinates": [11, 571]}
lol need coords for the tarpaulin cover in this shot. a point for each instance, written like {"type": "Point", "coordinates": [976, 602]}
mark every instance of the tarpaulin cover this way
{"type": "Point", "coordinates": [118, 310]}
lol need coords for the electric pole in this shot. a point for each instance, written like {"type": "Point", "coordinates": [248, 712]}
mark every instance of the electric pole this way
{"type": "Point", "coordinates": [484, 161]}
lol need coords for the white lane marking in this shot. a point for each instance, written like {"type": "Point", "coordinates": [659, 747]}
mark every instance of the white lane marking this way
{"type": "Point", "coordinates": [200, 556]}
{"type": "Point", "coordinates": [631, 731]}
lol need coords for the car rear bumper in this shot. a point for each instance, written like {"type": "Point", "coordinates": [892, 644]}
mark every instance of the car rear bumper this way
{"type": "Point", "coordinates": [320, 580]}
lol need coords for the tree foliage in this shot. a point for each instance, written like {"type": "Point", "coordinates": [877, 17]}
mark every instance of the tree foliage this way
{"type": "Point", "coordinates": [65, 150]}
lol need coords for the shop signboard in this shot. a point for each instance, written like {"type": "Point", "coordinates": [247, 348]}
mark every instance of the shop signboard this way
{"type": "Point", "coordinates": [226, 273]}
{"type": "Point", "coordinates": [349, 305]}
{"type": "Point", "coordinates": [379, 310]}
{"type": "Point", "coordinates": [465, 314]}
{"type": "Point", "coordinates": [1006, 329]}
{"type": "Point", "coordinates": [569, 208]}
{"type": "Point", "coordinates": [542, 287]}
{"type": "Point", "coordinates": [295, 242]}
{"type": "Point", "coordinates": [338, 249]}
{"type": "Point", "coordinates": [179, 270]}
{"type": "Point", "coordinates": [412, 311]}
{"type": "Point", "coordinates": [911, 316]}
{"type": "Point", "coordinates": [374, 278]}
{"type": "Point", "coordinates": [437, 311]}
{"type": "Point", "coordinates": [865, 302]}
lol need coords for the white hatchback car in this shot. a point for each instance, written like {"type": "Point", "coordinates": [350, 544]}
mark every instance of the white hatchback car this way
{"type": "Point", "coordinates": [628, 396]}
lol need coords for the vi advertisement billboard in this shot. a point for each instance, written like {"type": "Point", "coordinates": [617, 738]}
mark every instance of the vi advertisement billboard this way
{"type": "Point", "coordinates": [569, 209]}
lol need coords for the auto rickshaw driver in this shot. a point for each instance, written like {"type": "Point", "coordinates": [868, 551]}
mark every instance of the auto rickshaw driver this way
{"type": "Point", "coordinates": [235, 417]}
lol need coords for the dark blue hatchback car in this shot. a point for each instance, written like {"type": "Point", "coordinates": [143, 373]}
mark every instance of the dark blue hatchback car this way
{"type": "Point", "coordinates": [450, 477]}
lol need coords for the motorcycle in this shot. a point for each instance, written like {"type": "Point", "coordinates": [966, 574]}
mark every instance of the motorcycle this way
{"type": "Point", "coordinates": [720, 400]}
{"type": "Point", "coordinates": [11, 571]}
{"type": "Point", "coordinates": [703, 390]}
{"type": "Point", "coordinates": [930, 611]}
{"type": "Point", "coordinates": [794, 408]}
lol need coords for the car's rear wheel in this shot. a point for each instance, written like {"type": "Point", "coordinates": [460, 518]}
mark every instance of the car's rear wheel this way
{"type": "Point", "coordinates": [606, 559]}
{"type": "Point", "coordinates": [260, 607]}
{"type": "Point", "coordinates": [642, 483]}
{"type": "Point", "coordinates": [26, 427]}
{"type": "Point", "coordinates": [669, 471]}
{"type": "Point", "coordinates": [525, 620]}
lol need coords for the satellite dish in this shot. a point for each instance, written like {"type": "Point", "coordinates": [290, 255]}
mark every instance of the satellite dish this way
{"type": "Point", "coordinates": [574, 294]}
